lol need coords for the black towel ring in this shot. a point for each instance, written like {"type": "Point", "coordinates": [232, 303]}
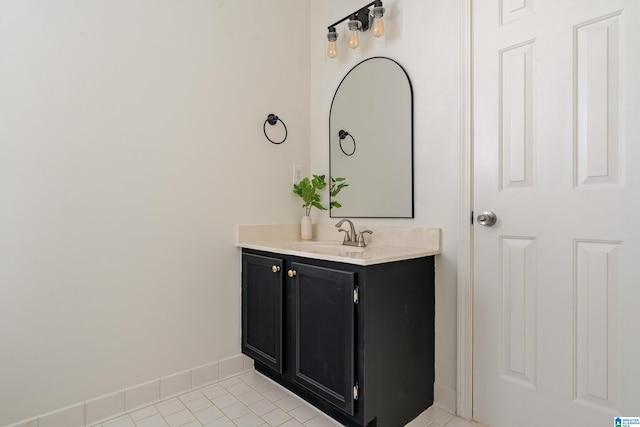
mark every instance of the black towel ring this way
{"type": "Point", "coordinates": [343, 134]}
{"type": "Point", "coordinates": [272, 119]}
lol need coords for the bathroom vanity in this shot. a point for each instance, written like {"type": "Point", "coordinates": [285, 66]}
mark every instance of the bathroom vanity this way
{"type": "Point", "coordinates": [348, 331]}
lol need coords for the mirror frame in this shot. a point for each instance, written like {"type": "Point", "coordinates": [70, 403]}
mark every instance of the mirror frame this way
{"type": "Point", "coordinates": [332, 214]}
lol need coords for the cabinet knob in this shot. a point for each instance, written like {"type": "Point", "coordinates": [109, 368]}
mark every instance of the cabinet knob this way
{"type": "Point", "coordinates": [291, 273]}
{"type": "Point", "coordinates": [275, 268]}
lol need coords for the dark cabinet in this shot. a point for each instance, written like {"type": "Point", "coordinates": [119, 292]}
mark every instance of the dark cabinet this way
{"type": "Point", "coordinates": [355, 341]}
{"type": "Point", "coordinates": [323, 312]}
{"type": "Point", "coordinates": [262, 315]}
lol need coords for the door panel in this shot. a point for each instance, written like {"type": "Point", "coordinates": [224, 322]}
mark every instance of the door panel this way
{"type": "Point", "coordinates": [556, 155]}
{"type": "Point", "coordinates": [262, 309]}
{"type": "Point", "coordinates": [325, 333]}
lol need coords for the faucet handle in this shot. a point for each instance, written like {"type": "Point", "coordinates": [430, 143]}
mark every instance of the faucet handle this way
{"type": "Point", "coordinates": [361, 237]}
{"type": "Point", "coordinates": [347, 237]}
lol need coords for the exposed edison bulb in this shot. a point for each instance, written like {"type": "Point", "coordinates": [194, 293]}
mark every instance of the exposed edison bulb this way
{"type": "Point", "coordinates": [332, 46]}
{"type": "Point", "coordinates": [332, 49]}
{"type": "Point", "coordinates": [354, 39]}
{"type": "Point", "coordinates": [354, 33]}
{"type": "Point", "coordinates": [377, 27]}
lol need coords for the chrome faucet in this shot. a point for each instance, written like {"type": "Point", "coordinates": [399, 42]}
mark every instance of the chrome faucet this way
{"type": "Point", "coordinates": [351, 238]}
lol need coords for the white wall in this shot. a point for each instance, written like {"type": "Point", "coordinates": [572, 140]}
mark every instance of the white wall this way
{"type": "Point", "coordinates": [130, 145]}
{"type": "Point", "coordinates": [424, 37]}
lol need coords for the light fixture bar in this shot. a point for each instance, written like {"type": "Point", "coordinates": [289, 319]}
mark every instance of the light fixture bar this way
{"type": "Point", "coordinates": [359, 16]}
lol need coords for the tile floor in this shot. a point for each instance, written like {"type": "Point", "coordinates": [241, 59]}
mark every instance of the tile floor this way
{"type": "Point", "coordinates": [249, 400]}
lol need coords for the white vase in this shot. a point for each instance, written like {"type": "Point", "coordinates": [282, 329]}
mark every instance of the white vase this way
{"type": "Point", "coordinates": [306, 228]}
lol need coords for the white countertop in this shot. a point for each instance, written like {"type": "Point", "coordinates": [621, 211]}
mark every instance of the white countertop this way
{"type": "Point", "coordinates": [387, 244]}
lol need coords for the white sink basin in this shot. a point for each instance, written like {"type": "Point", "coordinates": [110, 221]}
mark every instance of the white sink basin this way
{"type": "Point", "coordinates": [326, 247]}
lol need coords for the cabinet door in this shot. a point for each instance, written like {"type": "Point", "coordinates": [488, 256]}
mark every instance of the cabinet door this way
{"type": "Point", "coordinates": [323, 317]}
{"type": "Point", "coordinates": [262, 309]}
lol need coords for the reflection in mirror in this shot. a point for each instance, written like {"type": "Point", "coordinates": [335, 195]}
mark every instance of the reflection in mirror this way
{"type": "Point", "coordinates": [371, 141]}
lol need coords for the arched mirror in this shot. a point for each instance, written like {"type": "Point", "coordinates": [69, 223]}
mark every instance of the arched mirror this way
{"type": "Point", "coordinates": [371, 141]}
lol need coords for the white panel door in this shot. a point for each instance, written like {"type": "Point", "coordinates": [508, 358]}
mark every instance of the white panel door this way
{"type": "Point", "coordinates": [556, 130]}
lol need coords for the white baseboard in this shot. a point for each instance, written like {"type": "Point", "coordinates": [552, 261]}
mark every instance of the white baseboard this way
{"type": "Point", "coordinates": [444, 398]}
{"type": "Point", "coordinates": [111, 405]}
{"type": "Point", "coordinates": [97, 410]}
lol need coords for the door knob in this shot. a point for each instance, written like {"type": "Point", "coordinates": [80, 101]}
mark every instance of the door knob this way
{"type": "Point", "coordinates": [275, 268]}
{"type": "Point", "coordinates": [487, 218]}
{"type": "Point", "coordinates": [291, 273]}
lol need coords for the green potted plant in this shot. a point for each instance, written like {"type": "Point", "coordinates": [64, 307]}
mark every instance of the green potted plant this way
{"type": "Point", "coordinates": [309, 191]}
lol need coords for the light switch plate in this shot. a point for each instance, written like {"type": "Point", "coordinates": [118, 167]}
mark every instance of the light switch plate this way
{"type": "Point", "coordinates": [298, 173]}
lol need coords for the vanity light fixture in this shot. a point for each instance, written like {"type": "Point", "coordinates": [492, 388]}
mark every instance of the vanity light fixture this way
{"type": "Point", "coordinates": [359, 21]}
